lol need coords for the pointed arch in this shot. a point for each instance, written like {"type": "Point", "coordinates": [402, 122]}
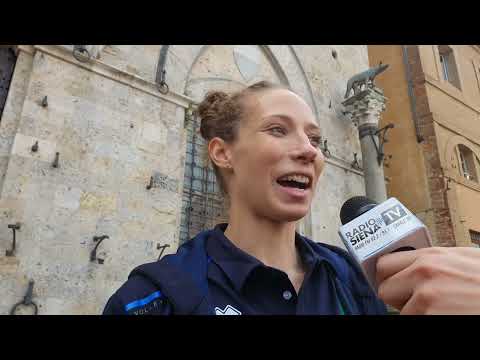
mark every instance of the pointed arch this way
{"type": "Point", "coordinates": [181, 59]}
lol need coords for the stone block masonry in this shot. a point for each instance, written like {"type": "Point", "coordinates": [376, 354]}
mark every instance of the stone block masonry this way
{"type": "Point", "coordinates": [115, 134]}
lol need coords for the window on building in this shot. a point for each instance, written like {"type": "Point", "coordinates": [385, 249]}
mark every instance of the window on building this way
{"type": "Point", "coordinates": [475, 237]}
{"type": "Point", "coordinates": [449, 67]}
{"type": "Point", "coordinates": [7, 64]}
{"type": "Point", "coordinates": [469, 163]}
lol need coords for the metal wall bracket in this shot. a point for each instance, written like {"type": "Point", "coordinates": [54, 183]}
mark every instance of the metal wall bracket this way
{"type": "Point", "coordinates": [325, 150]}
{"type": "Point", "coordinates": [55, 162]}
{"type": "Point", "coordinates": [150, 184]}
{"type": "Point", "coordinates": [27, 300]}
{"type": "Point", "coordinates": [161, 72]}
{"type": "Point", "coordinates": [382, 139]}
{"type": "Point", "coordinates": [14, 227]}
{"type": "Point", "coordinates": [162, 85]}
{"type": "Point", "coordinates": [355, 164]}
{"type": "Point", "coordinates": [98, 240]}
{"type": "Point", "coordinates": [163, 247]}
{"type": "Point", "coordinates": [35, 147]}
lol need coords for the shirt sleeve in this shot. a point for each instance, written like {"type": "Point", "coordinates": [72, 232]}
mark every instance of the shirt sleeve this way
{"type": "Point", "coordinates": [134, 299]}
{"type": "Point", "coordinates": [113, 307]}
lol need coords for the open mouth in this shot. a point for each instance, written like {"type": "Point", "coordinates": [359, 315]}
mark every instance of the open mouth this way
{"type": "Point", "coordinates": [295, 181]}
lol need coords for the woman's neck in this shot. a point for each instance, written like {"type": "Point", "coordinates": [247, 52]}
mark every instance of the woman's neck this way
{"type": "Point", "coordinates": [273, 243]}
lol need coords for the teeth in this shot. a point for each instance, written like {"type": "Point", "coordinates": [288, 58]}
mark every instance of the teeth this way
{"type": "Point", "coordinates": [297, 178]}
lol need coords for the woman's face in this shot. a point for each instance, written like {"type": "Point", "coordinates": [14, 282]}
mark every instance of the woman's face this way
{"type": "Point", "coordinates": [275, 159]}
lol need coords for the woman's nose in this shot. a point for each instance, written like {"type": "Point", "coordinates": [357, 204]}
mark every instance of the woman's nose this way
{"type": "Point", "coordinates": [305, 150]}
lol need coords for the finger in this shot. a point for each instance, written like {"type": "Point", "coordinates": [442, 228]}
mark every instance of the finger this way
{"type": "Point", "coordinates": [397, 289]}
{"type": "Point", "coordinates": [416, 305]}
{"type": "Point", "coordinates": [390, 264]}
{"type": "Point", "coordinates": [437, 299]}
{"type": "Point", "coordinates": [443, 281]}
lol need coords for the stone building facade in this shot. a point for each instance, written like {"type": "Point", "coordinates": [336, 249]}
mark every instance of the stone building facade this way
{"type": "Point", "coordinates": [434, 102]}
{"type": "Point", "coordinates": [95, 145]}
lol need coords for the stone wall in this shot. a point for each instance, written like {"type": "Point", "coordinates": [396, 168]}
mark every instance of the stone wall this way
{"type": "Point", "coordinates": [113, 131]}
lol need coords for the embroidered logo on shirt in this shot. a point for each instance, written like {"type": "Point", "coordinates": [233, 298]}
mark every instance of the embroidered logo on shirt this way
{"type": "Point", "coordinates": [229, 310]}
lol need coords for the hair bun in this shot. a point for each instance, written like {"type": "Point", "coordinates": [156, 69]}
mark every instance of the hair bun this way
{"type": "Point", "coordinates": [211, 110]}
{"type": "Point", "coordinates": [213, 97]}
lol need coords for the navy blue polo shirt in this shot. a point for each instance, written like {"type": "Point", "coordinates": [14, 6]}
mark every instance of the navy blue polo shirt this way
{"type": "Point", "coordinates": [238, 282]}
{"type": "Point", "coordinates": [210, 275]}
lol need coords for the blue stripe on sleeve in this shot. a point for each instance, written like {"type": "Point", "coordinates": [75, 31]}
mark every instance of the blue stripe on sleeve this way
{"type": "Point", "coordinates": [143, 301]}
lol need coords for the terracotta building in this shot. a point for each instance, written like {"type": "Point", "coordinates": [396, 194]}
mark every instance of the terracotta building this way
{"type": "Point", "coordinates": [432, 154]}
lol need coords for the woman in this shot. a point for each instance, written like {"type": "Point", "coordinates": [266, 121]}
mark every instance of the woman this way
{"type": "Point", "coordinates": [263, 143]}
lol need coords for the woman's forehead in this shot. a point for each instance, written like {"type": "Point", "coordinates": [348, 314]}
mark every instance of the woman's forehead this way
{"type": "Point", "coordinates": [282, 102]}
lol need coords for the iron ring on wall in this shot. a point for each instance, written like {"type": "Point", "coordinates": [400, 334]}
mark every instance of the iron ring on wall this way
{"type": "Point", "coordinates": [163, 88]}
{"type": "Point", "coordinates": [79, 53]}
{"type": "Point", "coordinates": [12, 312]}
{"type": "Point", "coordinates": [27, 300]}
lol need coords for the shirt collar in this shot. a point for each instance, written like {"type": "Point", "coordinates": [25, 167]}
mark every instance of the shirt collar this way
{"type": "Point", "coordinates": [234, 262]}
{"type": "Point", "coordinates": [237, 264]}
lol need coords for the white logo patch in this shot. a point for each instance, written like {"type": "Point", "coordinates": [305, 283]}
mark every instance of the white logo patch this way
{"type": "Point", "coordinates": [229, 310]}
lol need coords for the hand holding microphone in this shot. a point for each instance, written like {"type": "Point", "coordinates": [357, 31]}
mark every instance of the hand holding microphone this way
{"type": "Point", "coordinates": [425, 280]}
{"type": "Point", "coordinates": [434, 280]}
{"type": "Point", "coordinates": [371, 230]}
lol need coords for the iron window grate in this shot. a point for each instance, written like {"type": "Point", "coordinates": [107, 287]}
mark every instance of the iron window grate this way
{"type": "Point", "coordinates": [202, 203]}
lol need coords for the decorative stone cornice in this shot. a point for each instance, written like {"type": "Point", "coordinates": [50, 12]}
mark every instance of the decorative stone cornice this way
{"type": "Point", "coordinates": [64, 52]}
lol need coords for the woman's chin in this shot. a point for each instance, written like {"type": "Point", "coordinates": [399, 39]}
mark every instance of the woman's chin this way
{"type": "Point", "coordinates": [295, 217]}
{"type": "Point", "coordinates": [290, 214]}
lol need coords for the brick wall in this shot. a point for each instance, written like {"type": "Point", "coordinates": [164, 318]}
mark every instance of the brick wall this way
{"type": "Point", "coordinates": [443, 231]}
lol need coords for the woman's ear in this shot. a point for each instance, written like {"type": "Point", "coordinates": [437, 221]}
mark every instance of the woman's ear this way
{"type": "Point", "coordinates": [219, 153]}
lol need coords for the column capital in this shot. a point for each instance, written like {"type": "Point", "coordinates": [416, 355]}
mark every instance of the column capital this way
{"type": "Point", "coordinates": [366, 106]}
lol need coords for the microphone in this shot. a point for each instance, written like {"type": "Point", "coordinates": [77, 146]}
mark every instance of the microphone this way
{"type": "Point", "coordinates": [370, 230]}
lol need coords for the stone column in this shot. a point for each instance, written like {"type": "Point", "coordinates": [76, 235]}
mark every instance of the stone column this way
{"type": "Point", "coordinates": [365, 108]}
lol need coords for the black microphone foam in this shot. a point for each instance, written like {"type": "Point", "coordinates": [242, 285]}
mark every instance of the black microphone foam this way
{"type": "Point", "coordinates": [354, 207]}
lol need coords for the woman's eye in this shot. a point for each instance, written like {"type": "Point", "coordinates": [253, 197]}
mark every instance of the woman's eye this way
{"type": "Point", "coordinates": [315, 141]}
{"type": "Point", "coordinates": [278, 131]}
